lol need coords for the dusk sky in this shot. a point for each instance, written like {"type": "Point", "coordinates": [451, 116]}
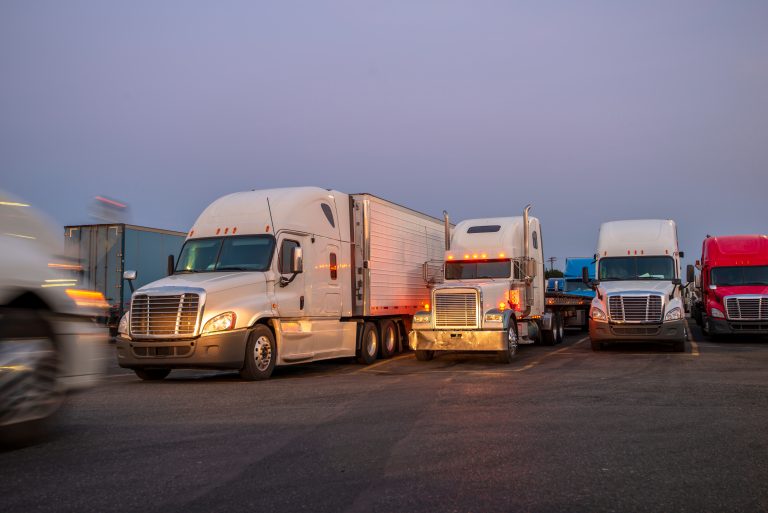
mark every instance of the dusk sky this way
{"type": "Point", "coordinates": [592, 111]}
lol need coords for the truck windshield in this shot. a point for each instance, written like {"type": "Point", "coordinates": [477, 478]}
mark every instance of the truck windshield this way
{"type": "Point", "coordinates": [749, 275]}
{"type": "Point", "coordinates": [244, 253]}
{"type": "Point", "coordinates": [574, 285]}
{"type": "Point", "coordinates": [637, 268]}
{"type": "Point", "coordinates": [474, 270]}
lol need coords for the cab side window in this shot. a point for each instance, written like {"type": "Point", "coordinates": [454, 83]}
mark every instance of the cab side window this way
{"type": "Point", "coordinates": [286, 256]}
{"type": "Point", "coordinates": [535, 240]}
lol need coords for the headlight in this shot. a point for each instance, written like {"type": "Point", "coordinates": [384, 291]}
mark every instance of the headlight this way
{"type": "Point", "coordinates": [221, 322]}
{"type": "Point", "coordinates": [125, 321]}
{"type": "Point", "coordinates": [494, 316]}
{"type": "Point", "coordinates": [421, 318]}
{"type": "Point", "coordinates": [717, 313]}
{"type": "Point", "coordinates": [598, 315]}
{"type": "Point", "coordinates": [674, 315]}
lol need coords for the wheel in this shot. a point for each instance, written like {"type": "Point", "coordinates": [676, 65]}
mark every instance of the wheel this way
{"type": "Point", "coordinates": [508, 355]}
{"type": "Point", "coordinates": [549, 337]}
{"type": "Point", "coordinates": [389, 338]}
{"type": "Point", "coordinates": [423, 355]}
{"type": "Point", "coordinates": [679, 346]}
{"type": "Point", "coordinates": [705, 328]}
{"type": "Point", "coordinates": [30, 391]}
{"type": "Point", "coordinates": [260, 354]}
{"type": "Point", "coordinates": [369, 344]}
{"type": "Point", "coordinates": [596, 346]}
{"type": "Point", "coordinates": [152, 374]}
{"type": "Point", "coordinates": [560, 331]}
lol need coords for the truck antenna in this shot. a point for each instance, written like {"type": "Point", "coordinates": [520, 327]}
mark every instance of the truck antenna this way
{"type": "Point", "coordinates": [271, 221]}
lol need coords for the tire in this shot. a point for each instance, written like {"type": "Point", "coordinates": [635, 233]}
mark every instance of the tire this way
{"type": "Point", "coordinates": [596, 346]}
{"type": "Point", "coordinates": [369, 344]}
{"type": "Point", "coordinates": [423, 355]}
{"type": "Point", "coordinates": [549, 337]}
{"type": "Point", "coordinates": [560, 331]}
{"type": "Point", "coordinates": [389, 338]}
{"type": "Point", "coordinates": [679, 346]}
{"type": "Point", "coordinates": [152, 374]}
{"type": "Point", "coordinates": [512, 339]}
{"type": "Point", "coordinates": [260, 354]}
{"type": "Point", "coordinates": [31, 393]}
{"type": "Point", "coordinates": [585, 324]}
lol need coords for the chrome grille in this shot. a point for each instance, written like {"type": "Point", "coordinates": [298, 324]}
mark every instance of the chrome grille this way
{"type": "Point", "coordinates": [751, 308]}
{"type": "Point", "coordinates": [646, 308]}
{"type": "Point", "coordinates": [456, 309]}
{"type": "Point", "coordinates": [164, 316]}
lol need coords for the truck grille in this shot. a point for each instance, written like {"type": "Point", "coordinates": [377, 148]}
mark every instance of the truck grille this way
{"type": "Point", "coordinates": [747, 308]}
{"type": "Point", "coordinates": [456, 309]}
{"type": "Point", "coordinates": [164, 316]}
{"type": "Point", "coordinates": [635, 308]}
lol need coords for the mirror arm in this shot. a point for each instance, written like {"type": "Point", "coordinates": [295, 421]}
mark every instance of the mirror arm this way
{"type": "Point", "coordinates": [284, 282]}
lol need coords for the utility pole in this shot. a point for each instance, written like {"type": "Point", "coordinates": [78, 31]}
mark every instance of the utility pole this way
{"type": "Point", "coordinates": [552, 263]}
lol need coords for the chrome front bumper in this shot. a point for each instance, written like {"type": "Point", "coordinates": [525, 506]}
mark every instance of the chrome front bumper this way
{"type": "Point", "coordinates": [470, 340]}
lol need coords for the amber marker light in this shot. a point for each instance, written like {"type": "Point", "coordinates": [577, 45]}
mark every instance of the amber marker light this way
{"type": "Point", "coordinates": [87, 298]}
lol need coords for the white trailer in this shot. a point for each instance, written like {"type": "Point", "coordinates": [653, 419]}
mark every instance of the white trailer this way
{"type": "Point", "coordinates": [638, 289]}
{"type": "Point", "coordinates": [284, 276]}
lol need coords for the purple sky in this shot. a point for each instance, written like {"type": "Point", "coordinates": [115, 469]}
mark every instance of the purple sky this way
{"type": "Point", "coordinates": [592, 111]}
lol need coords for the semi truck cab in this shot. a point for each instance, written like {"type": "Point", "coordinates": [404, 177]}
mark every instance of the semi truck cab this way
{"type": "Point", "coordinates": [733, 285]}
{"type": "Point", "coordinates": [638, 287]}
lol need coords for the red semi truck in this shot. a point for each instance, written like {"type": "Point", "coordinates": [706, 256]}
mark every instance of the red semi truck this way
{"type": "Point", "coordinates": [733, 285]}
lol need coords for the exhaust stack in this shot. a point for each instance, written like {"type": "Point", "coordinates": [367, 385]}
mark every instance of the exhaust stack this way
{"type": "Point", "coordinates": [526, 233]}
{"type": "Point", "coordinates": [447, 221]}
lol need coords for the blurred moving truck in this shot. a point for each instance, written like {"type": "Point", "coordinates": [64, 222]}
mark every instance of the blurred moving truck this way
{"type": "Point", "coordinates": [49, 340]}
{"type": "Point", "coordinates": [105, 250]}
{"type": "Point", "coordinates": [280, 277]}
{"type": "Point", "coordinates": [733, 285]}
{"type": "Point", "coordinates": [493, 296]}
{"type": "Point", "coordinates": [638, 287]}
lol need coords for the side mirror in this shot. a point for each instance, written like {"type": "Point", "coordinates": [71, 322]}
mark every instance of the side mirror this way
{"type": "Point", "coordinates": [681, 254]}
{"type": "Point", "coordinates": [713, 287]}
{"type": "Point", "coordinates": [297, 261]}
{"type": "Point", "coordinates": [171, 265]}
{"type": "Point", "coordinates": [697, 281]}
{"type": "Point", "coordinates": [130, 276]}
{"type": "Point", "coordinates": [690, 273]}
{"type": "Point", "coordinates": [585, 275]}
{"type": "Point", "coordinates": [676, 281]}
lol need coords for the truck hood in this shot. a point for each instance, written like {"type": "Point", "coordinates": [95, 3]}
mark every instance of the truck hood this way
{"type": "Point", "coordinates": [737, 290]}
{"type": "Point", "coordinates": [639, 286]}
{"type": "Point", "coordinates": [210, 282]}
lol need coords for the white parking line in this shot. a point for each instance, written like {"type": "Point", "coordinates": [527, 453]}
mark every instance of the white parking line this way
{"type": "Point", "coordinates": [383, 362]}
{"type": "Point", "coordinates": [694, 345]}
{"type": "Point", "coordinates": [536, 362]}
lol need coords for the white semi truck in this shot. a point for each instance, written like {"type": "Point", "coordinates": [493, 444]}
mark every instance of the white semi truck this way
{"type": "Point", "coordinates": [638, 289]}
{"type": "Point", "coordinates": [493, 296]}
{"type": "Point", "coordinates": [280, 277]}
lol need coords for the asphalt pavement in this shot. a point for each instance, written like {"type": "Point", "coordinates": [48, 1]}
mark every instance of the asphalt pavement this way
{"type": "Point", "coordinates": [635, 427]}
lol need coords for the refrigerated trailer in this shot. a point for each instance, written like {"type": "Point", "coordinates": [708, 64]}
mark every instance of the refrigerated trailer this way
{"type": "Point", "coordinates": [104, 251]}
{"type": "Point", "coordinates": [284, 276]}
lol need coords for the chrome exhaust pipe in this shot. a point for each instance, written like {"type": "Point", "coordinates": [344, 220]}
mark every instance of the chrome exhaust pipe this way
{"type": "Point", "coordinates": [447, 222]}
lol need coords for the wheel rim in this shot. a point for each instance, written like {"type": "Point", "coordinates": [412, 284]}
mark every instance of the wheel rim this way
{"type": "Point", "coordinates": [33, 366]}
{"type": "Point", "coordinates": [561, 331]}
{"type": "Point", "coordinates": [371, 343]}
{"type": "Point", "coordinates": [262, 353]}
{"type": "Point", "coordinates": [512, 340]}
{"type": "Point", "coordinates": [389, 340]}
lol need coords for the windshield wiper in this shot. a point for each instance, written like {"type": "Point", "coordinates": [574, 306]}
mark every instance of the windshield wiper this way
{"type": "Point", "coordinates": [186, 271]}
{"type": "Point", "coordinates": [232, 268]}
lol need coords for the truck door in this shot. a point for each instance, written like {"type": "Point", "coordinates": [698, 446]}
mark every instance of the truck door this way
{"type": "Point", "coordinates": [290, 297]}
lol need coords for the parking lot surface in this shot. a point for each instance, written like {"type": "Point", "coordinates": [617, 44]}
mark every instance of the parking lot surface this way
{"type": "Point", "coordinates": [635, 427]}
